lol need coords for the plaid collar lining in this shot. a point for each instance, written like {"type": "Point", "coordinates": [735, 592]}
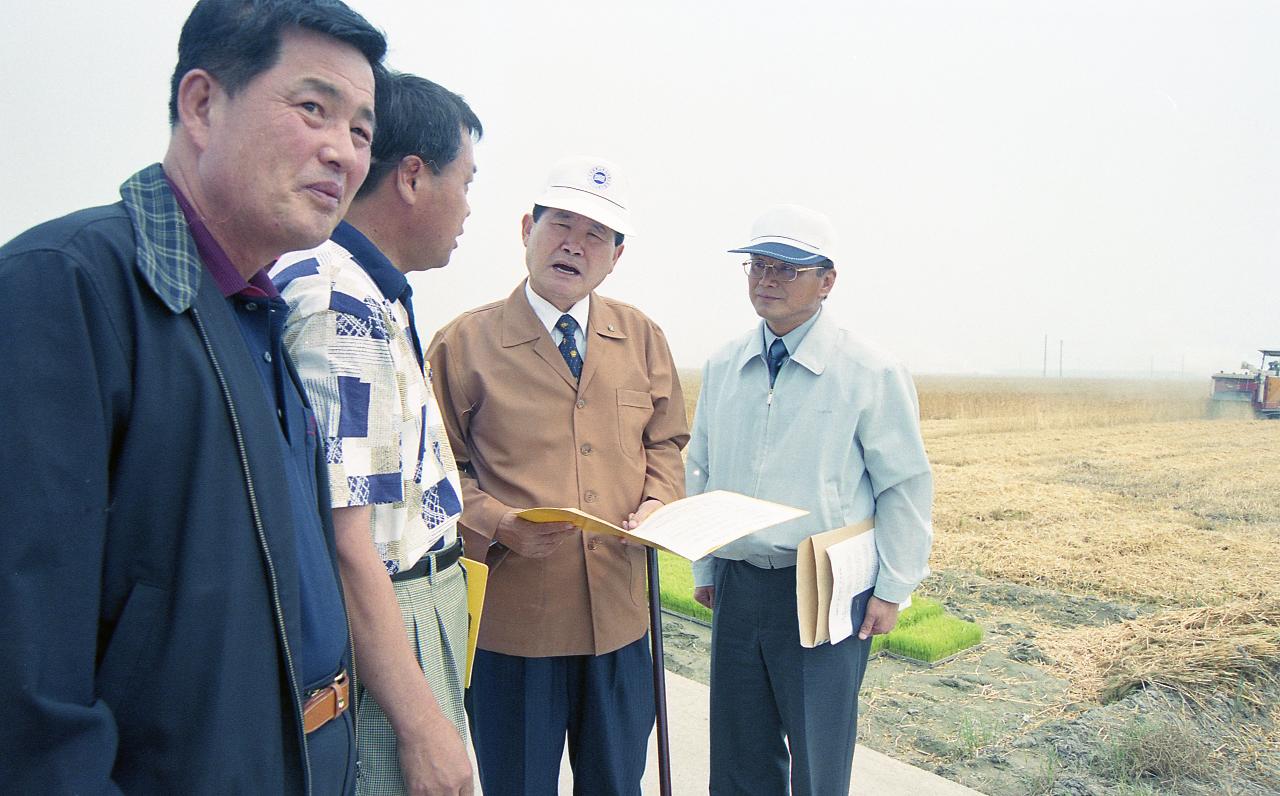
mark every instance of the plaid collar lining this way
{"type": "Point", "coordinates": [166, 252]}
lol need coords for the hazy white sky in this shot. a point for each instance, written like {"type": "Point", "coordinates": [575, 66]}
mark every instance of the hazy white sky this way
{"type": "Point", "coordinates": [1107, 173]}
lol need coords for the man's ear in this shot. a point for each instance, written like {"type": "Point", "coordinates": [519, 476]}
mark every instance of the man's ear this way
{"type": "Point", "coordinates": [526, 226]}
{"type": "Point", "coordinates": [828, 282]}
{"type": "Point", "coordinates": [198, 92]}
{"type": "Point", "coordinates": [409, 173]}
{"type": "Point", "coordinates": [617, 252]}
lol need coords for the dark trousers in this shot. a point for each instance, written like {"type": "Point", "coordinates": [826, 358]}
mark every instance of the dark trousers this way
{"type": "Point", "coordinates": [522, 709]}
{"type": "Point", "coordinates": [765, 688]}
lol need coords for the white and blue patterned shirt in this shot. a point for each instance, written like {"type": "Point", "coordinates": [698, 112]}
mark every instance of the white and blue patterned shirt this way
{"type": "Point", "coordinates": [352, 340]}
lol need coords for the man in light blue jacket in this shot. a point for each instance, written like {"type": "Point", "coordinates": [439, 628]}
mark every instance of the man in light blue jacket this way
{"type": "Point", "coordinates": [801, 412]}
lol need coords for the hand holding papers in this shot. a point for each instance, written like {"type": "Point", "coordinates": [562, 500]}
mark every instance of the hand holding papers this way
{"type": "Point", "coordinates": [854, 566]}
{"type": "Point", "coordinates": [691, 527]}
{"type": "Point", "coordinates": [831, 568]}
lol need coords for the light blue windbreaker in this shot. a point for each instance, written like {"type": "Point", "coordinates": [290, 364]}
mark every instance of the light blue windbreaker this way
{"type": "Point", "coordinates": [838, 435]}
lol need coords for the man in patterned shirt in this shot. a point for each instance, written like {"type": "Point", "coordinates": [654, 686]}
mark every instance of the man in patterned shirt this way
{"type": "Point", "coordinates": [391, 471]}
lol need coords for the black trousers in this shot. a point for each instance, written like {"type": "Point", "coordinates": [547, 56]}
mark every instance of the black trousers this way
{"type": "Point", "coordinates": [523, 709]}
{"type": "Point", "coordinates": [765, 688]}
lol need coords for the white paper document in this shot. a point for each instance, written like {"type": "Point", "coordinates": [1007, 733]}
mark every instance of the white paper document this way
{"type": "Point", "coordinates": [700, 524]}
{"type": "Point", "coordinates": [691, 527]}
{"type": "Point", "coordinates": [854, 565]}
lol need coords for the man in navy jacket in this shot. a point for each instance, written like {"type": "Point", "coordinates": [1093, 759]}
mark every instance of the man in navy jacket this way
{"type": "Point", "coordinates": [170, 615]}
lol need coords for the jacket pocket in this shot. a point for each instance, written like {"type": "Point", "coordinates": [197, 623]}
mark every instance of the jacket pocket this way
{"type": "Point", "coordinates": [131, 643]}
{"type": "Point", "coordinates": [639, 575]}
{"type": "Point", "coordinates": [635, 408]}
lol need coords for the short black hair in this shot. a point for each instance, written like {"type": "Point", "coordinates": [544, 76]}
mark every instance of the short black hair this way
{"type": "Point", "coordinates": [617, 236]}
{"type": "Point", "coordinates": [416, 117]}
{"type": "Point", "coordinates": [237, 40]}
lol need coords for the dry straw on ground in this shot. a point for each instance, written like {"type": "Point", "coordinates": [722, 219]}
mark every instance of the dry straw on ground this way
{"type": "Point", "coordinates": [1178, 514]}
{"type": "Point", "coordinates": [1166, 750]}
{"type": "Point", "coordinates": [1232, 649]}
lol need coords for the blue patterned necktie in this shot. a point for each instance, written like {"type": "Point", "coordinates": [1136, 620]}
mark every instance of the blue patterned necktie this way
{"type": "Point", "coordinates": [777, 355]}
{"type": "Point", "coordinates": [569, 346]}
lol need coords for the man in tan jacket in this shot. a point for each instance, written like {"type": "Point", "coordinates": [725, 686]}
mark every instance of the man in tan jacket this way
{"type": "Point", "coordinates": [557, 396]}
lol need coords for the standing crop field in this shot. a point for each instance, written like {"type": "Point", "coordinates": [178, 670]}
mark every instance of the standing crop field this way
{"type": "Point", "coordinates": [1119, 551]}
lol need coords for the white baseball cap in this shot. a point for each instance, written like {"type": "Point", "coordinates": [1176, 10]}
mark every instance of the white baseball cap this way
{"type": "Point", "coordinates": [793, 234]}
{"type": "Point", "coordinates": [591, 187]}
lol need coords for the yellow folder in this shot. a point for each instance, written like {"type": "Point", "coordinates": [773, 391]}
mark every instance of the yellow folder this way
{"type": "Point", "coordinates": [690, 528]}
{"type": "Point", "coordinates": [477, 580]}
{"type": "Point", "coordinates": [814, 578]}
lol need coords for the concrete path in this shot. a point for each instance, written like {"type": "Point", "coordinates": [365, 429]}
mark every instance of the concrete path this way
{"type": "Point", "coordinates": [688, 705]}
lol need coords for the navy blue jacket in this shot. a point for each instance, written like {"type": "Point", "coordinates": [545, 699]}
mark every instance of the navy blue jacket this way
{"type": "Point", "coordinates": [149, 590]}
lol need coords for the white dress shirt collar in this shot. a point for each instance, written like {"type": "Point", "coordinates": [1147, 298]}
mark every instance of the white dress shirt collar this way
{"type": "Point", "coordinates": [549, 314]}
{"type": "Point", "coordinates": [792, 338]}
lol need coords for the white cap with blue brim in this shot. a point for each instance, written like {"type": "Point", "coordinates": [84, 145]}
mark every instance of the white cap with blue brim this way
{"type": "Point", "coordinates": [793, 234]}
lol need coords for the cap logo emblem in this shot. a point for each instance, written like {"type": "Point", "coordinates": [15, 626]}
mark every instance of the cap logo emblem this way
{"type": "Point", "coordinates": [601, 177]}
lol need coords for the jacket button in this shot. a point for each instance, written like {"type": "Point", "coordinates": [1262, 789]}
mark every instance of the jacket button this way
{"type": "Point", "coordinates": [591, 545]}
{"type": "Point", "coordinates": [581, 403]}
{"type": "Point", "coordinates": [586, 450]}
{"type": "Point", "coordinates": [590, 497]}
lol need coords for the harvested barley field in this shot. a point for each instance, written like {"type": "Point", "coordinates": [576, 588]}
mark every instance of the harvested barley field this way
{"type": "Point", "coordinates": [1118, 550]}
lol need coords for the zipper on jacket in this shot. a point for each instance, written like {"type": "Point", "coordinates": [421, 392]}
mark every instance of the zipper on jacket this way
{"type": "Point", "coordinates": [768, 417]}
{"type": "Point", "coordinates": [262, 539]}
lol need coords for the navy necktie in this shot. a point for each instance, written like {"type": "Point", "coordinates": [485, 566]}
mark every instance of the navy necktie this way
{"type": "Point", "coordinates": [777, 355]}
{"type": "Point", "coordinates": [569, 346]}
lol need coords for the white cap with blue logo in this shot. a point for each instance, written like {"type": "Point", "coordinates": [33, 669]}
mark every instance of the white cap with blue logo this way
{"type": "Point", "coordinates": [591, 187]}
{"type": "Point", "coordinates": [793, 234]}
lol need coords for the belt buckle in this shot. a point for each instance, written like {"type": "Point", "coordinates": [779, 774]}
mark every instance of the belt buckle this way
{"type": "Point", "coordinates": [336, 685]}
{"type": "Point", "coordinates": [338, 681]}
{"type": "Point", "coordinates": [319, 699]}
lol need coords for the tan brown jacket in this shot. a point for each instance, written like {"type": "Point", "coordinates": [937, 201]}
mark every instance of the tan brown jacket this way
{"type": "Point", "coordinates": [525, 434]}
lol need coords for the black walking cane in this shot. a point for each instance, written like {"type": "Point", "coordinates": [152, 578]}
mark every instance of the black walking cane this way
{"type": "Point", "coordinates": [659, 673]}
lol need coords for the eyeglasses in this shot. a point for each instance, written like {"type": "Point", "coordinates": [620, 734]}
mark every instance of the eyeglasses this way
{"type": "Point", "coordinates": [784, 272]}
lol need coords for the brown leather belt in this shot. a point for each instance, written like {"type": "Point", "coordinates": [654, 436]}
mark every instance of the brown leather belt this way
{"type": "Point", "coordinates": [326, 703]}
